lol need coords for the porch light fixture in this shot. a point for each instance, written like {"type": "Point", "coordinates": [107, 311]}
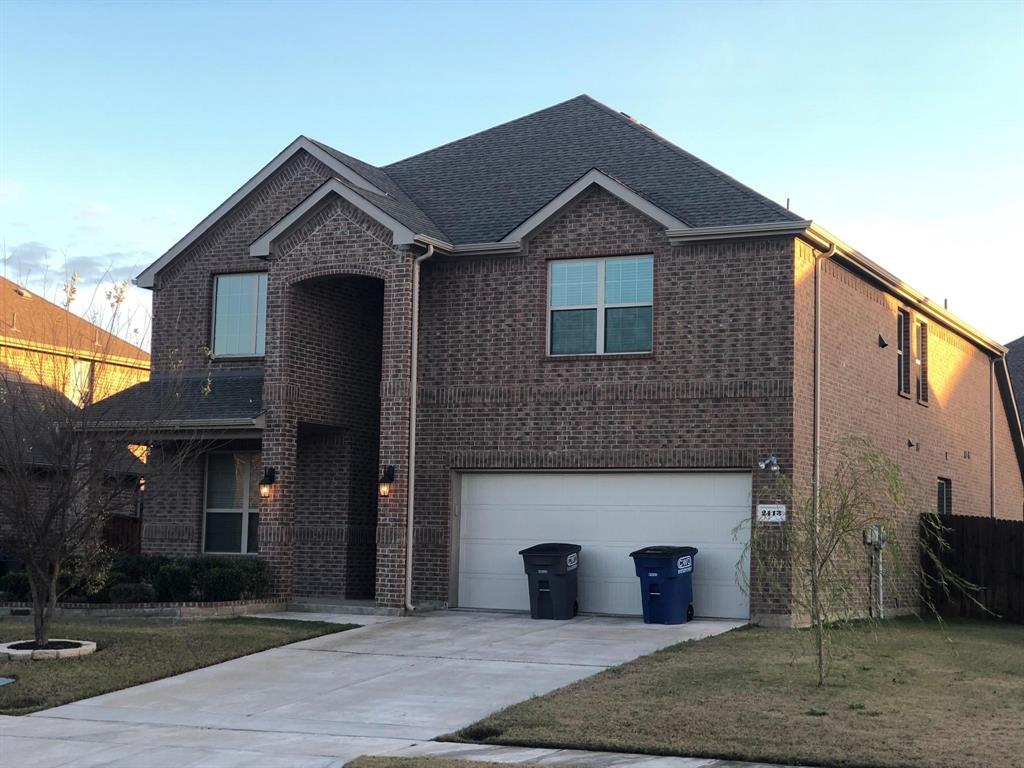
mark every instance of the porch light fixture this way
{"type": "Point", "coordinates": [268, 479]}
{"type": "Point", "coordinates": [387, 479]}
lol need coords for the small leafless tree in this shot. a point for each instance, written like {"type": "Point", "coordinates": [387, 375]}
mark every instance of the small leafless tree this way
{"type": "Point", "coordinates": [68, 460]}
{"type": "Point", "coordinates": [849, 547]}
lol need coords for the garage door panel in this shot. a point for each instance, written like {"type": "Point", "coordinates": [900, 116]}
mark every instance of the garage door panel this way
{"type": "Point", "coordinates": [609, 515]}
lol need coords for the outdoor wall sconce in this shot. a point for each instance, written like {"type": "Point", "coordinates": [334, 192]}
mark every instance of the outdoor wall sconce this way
{"type": "Point", "coordinates": [882, 342]}
{"type": "Point", "coordinates": [387, 479]}
{"type": "Point", "coordinates": [268, 479]}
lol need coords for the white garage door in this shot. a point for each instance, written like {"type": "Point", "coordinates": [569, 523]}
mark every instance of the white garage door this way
{"type": "Point", "coordinates": [610, 515]}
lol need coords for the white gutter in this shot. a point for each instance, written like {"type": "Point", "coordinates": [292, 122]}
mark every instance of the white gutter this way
{"type": "Point", "coordinates": [411, 492]}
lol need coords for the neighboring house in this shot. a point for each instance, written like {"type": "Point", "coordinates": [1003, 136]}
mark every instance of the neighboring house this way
{"type": "Point", "coordinates": [606, 338]}
{"type": "Point", "coordinates": [50, 358]}
{"type": "Point", "coordinates": [49, 345]}
{"type": "Point", "coordinates": [1015, 361]}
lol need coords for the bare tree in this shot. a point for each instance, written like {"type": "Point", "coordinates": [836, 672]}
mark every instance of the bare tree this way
{"type": "Point", "coordinates": [850, 547]}
{"type": "Point", "coordinates": [69, 456]}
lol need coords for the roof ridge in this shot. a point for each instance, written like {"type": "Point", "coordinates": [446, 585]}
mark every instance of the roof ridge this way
{"type": "Point", "coordinates": [688, 156]}
{"type": "Point", "coordinates": [485, 130]}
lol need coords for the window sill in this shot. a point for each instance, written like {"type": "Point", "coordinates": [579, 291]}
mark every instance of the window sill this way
{"type": "Point", "coordinates": [905, 395]}
{"type": "Point", "coordinates": [239, 358]}
{"type": "Point", "coordinates": [597, 358]}
{"type": "Point", "coordinates": [922, 402]}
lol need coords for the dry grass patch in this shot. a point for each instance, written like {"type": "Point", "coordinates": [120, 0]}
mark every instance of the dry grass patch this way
{"type": "Point", "coordinates": [904, 694]}
{"type": "Point", "coordinates": [133, 652]}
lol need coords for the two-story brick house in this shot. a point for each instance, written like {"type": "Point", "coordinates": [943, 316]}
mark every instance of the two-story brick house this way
{"type": "Point", "coordinates": [561, 328]}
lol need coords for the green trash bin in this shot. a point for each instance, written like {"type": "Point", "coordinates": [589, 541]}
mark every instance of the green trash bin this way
{"type": "Point", "coordinates": [551, 570]}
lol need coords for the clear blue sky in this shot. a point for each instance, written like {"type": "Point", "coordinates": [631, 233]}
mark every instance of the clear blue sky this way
{"type": "Point", "coordinates": [898, 126]}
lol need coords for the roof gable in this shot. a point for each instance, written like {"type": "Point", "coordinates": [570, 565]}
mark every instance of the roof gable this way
{"type": "Point", "coordinates": [593, 177]}
{"type": "Point", "coordinates": [362, 177]}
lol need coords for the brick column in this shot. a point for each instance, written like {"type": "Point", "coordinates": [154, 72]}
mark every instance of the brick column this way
{"type": "Point", "coordinates": [277, 513]}
{"type": "Point", "coordinates": [394, 433]}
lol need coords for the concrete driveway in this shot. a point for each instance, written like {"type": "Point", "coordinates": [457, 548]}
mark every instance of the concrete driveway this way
{"type": "Point", "coordinates": [376, 689]}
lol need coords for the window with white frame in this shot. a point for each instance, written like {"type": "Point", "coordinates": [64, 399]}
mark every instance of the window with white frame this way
{"type": "Point", "coordinates": [601, 306]}
{"type": "Point", "coordinates": [240, 315]}
{"type": "Point", "coordinates": [79, 382]}
{"type": "Point", "coordinates": [232, 516]}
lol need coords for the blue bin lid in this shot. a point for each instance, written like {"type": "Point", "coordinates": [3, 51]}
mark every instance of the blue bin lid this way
{"type": "Point", "coordinates": [666, 551]}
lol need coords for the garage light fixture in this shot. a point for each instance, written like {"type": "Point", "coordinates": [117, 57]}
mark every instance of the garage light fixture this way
{"type": "Point", "coordinates": [387, 479]}
{"type": "Point", "coordinates": [770, 464]}
{"type": "Point", "coordinates": [268, 479]}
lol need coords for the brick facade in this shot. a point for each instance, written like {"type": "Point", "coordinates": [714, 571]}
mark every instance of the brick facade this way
{"type": "Point", "coordinates": [727, 383]}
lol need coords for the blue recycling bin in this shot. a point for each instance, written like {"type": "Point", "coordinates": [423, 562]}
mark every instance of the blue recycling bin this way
{"type": "Point", "coordinates": [666, 583]}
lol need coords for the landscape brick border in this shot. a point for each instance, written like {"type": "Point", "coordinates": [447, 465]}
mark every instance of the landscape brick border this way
{"type": "Point", "coordinates": [173, 610]}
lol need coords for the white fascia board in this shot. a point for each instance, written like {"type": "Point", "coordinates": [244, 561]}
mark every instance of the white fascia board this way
{"type": "Point", "coordinates": [401, 234]}
{"type": "Point", "coordinates": [736, 231]}
{"type": "Point", "coordinates": [147, 276]}
{"type": "Point", "coordinates": [574, 190]}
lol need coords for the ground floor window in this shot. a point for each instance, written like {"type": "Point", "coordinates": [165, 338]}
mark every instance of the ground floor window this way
{"type": "Point", "coordinates": [232, 517]}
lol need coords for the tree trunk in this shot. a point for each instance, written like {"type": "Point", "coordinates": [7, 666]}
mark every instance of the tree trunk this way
{"type": "Point", "coordinates": [44, 601]}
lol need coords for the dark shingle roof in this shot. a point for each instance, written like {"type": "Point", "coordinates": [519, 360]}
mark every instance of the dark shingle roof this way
{"type": "Point", "coordinates": [190, 397]}
{"type": "Point", "coordinates": [1015, 362]}
{"type": "Point", "coordinates": [395, 202]}
{"type": "Point", "coordinates": [479, 188]}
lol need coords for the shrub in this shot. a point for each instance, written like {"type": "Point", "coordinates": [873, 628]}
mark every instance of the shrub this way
{"type": "Point", "coordinates": [216, 584]}
{"type": "Point", "coordinates": [231, 578]}
{"type": "Point", "coordinates": [16, 585]}
{"type": "Point", "coordinates": [131, 592]}
{"type": "Point", "coordinates": [174, 582]}
{"type": "Point", "coordinates": [136, 568]}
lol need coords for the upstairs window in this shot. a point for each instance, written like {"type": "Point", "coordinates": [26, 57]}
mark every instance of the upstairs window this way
{"type": "Point", "coordinates": [903, 351]}
{"type": "Point", "coordinates": [945, 500]}
{"type": "Point", "coordinates": [601, 306]}
{"type": "Point", "coordinates": [921, 361]}
{"type": "Point", "coordinates": [240, 315]}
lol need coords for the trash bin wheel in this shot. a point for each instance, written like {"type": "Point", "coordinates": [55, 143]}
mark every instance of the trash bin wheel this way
{"type": "Point", "coordinates": [689, 612]}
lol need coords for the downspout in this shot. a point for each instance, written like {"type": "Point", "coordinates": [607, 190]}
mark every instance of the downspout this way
{"type": "Point", "coordinates": [410, 514]}
{"type": "Point", "coordinates": [992, 439]}
{"type": "Point", "coordinates": [816, 452]}
{"type": "Point", "coordinates": [817, 373]}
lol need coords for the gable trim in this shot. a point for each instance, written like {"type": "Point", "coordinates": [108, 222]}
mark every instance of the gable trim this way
{"type": "Point", "coordinates": [147, 277]}
{"type": "Point", "coordinates": [401, 234]}
{"type": "Point", "coordinates": [578, 187]}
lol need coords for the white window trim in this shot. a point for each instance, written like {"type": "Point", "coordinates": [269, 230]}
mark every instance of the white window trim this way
{"type": "Point", "coordinates": [600, 306]}
{"type": "Point", "coordinates": [244, 511]}
{"type": "Point", "coordinates": [213, 320]}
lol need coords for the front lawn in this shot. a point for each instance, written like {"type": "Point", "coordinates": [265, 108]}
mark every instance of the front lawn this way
{"type": "Point", "coordinates": [133, 652]}
{"type": "Point", "coordinates": [905, 694]}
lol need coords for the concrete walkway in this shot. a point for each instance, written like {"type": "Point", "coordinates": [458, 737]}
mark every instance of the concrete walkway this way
{"type": "Point", "coordinates": [390, 685]}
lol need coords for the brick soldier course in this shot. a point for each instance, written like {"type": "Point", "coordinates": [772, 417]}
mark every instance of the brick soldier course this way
{"type": "Point", "coordinates": [729, 379]}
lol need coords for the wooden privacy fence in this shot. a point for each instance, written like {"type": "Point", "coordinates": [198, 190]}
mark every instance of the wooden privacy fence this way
{"type": "Point", "coordinates": [988, 553]}
{"type": "Point", "coordinates": [123, 534]}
